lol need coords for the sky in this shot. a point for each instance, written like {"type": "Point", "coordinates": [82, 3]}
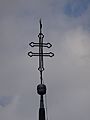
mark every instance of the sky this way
{"type": "Point", "coordinates": [66, 25]}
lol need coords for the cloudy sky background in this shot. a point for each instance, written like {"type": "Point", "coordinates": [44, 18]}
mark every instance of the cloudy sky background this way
{"type": "Point", "coordinates": [66, 24]}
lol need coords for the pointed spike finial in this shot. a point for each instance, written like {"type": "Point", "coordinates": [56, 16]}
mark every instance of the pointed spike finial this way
{"type": "Point", "coordinates": [40, 25]}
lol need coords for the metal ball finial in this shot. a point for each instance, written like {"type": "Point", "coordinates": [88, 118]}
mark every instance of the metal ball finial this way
{"type": "Point", "coordinates": [41, 89]}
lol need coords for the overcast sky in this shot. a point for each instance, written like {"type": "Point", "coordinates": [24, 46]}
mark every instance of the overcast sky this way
{"type": "Point", "coordinates": [66, 24]}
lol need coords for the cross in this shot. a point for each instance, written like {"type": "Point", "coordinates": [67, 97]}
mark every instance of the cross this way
{"type": "Point", "coordinates": [41, 88]}
{"type": "Point", "coordinates": [40, 54]}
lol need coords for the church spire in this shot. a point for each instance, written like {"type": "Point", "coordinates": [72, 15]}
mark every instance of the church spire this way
{"type": "Point", "coordinates": [41, 88]}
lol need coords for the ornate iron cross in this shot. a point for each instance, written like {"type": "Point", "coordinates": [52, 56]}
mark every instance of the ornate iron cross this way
{"type": "Point", "coordinates": [41, 88]}
{"type": "Point", "coordinates": [40, 54]}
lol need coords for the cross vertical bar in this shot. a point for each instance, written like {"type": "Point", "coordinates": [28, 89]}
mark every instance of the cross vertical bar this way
{"type": "Point", "coordinates": [41, 36]}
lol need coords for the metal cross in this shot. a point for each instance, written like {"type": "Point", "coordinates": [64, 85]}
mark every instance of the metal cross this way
{"type": "Point", "coordinates": [41, 88]}
{"type": "Point", "coordinates": [40, 54]}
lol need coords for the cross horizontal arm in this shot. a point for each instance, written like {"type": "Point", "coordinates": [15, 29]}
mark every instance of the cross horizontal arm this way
{"type": "Point", "coordinates": [32, 44]}
{"type": "Point", "coordinates": [50, 54]}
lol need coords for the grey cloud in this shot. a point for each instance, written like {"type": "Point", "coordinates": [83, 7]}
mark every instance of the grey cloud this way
{"type": "Point", "coordinates": [5, 100]}
{"type": "Point", "coordinates": [76, 8]}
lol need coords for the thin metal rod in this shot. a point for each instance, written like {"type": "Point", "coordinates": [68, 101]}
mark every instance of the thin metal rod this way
{"type": "Point", "coordinates": [32, 44]}
{"type": "Point", "coordinates": [41, 102]}
{"type": "Point", "coordinates": [40, 26]}
{"type": "Point", "coordinates": [31, 54]}
{"type": "Point", "coordinates": [41, 77]}
{"type": "Point", "coordinates": [41, 68]}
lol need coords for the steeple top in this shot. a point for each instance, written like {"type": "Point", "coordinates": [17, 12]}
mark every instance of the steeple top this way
{"type": "Point", "coordinates": [40, 25]}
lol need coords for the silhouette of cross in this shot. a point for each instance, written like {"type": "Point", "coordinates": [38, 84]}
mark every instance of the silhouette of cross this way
{"type": "Point", "coordinates": [40, 54]}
